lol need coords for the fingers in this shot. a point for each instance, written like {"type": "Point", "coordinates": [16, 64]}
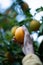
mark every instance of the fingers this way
{"type": "Point", "coordinates": [27, 35]}
{"type": "Point", "coordinates": [28, 43]}
{"type": "Point", "coordinates": [25, 29]}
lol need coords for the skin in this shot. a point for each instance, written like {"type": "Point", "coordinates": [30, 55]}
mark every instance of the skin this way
{"type": "Point", "coordinates": [27, 45]}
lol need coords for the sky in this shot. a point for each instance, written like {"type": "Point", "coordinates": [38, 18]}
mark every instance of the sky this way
{"type": "Point", "coordinates": [4, 4]}
{"type": "Point", "coordinates": [33, 4]}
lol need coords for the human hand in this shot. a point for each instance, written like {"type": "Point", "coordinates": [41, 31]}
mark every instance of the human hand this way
{"type": "Point", "coordinates": [28, 43]}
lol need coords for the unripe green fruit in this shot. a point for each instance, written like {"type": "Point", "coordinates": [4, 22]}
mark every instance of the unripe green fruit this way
{"type": "Point", "coordinates": [34, 25]}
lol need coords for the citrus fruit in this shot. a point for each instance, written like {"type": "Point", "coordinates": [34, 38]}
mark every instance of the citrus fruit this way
{"type": "Point", "coordinates": [34, 25]}
{"type": "Point", "coordinates": [9, 56]}
{"type": "Point", "coordinates": [13, 30]}
{"type": "Point", "coordinates": [24, 6]}
{"type": "Point", "coordinates": [19, 34]}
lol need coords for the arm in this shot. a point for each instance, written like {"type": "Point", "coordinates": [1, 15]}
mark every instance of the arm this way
{"type": "Point", "coordinates": [30, 58]}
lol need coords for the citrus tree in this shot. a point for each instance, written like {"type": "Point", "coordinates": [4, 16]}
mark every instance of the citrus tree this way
{"type": "Point", "coordinates": [10, 50]}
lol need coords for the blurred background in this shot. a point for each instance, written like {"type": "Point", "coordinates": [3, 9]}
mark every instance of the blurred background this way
{"type": "Point", "coordinates": [17, 13]}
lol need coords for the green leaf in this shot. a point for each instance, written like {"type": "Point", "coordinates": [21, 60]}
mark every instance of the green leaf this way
{"type": "Point", "coordinates": [39, 9]}
{"type": "Point", "coordinates": [41, 28]}
{"type": "Point", "coordinates": [8, 35]}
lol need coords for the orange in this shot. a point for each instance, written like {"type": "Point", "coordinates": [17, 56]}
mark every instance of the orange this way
{"type": "Point", "coordinates": [24, 6]}
{"type": "Point", "coordinates": [34, 25]}
{"type": "Point", "coordinates": [9, 56]}
{"type": "Point", "coordinates": [19, 34]}
{"type": "Point", "coordinates": [13, 30]}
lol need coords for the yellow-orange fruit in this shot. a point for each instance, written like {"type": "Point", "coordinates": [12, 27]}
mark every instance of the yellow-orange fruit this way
{"type": "Point", "coordinates": [34, 25]}
{"type": "Point", "coordinates": [19, 34]}
{"type": "Point", "coordinates": [13, 30]}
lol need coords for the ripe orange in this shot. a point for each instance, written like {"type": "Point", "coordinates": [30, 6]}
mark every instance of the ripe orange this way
{"type": "Point", "coordinates": [34, 25]}
{"type": "Point", "coordinates": [19, 34]}
{"type": "Point", "coordinates": [13, 30]}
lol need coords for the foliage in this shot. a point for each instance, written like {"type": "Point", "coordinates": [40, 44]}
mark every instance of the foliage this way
{"type": "Point", "coordinates": [7, 44]}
